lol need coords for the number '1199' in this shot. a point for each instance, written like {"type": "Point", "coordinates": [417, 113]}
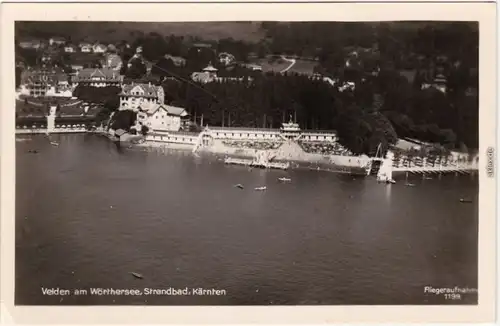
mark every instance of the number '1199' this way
{"type": "Point", "coordinates": [452, 296]}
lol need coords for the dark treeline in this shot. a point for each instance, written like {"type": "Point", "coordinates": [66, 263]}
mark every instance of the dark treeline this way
{"type": "Point", "coordinates": [106, 97]}
{"type": "Point", "coordinates": [396, 42]}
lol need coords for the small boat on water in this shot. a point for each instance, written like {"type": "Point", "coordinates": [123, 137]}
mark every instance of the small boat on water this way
{"type": "Point", "coordinates": [34, 151]}
{"type": "Point", "coordinates": [387, 181]}
{"type": "Point", "coordinates": [261, 188]}
{"type": "Point", "coordinates": [410, 185]}
{"type": "Point", "coordinates": [136, 275]}
{"type": "Point", "coordinates": [239, 186]}
{"type": "Point", "coordinates": [464, 200]}
{"type": "Point", "coordinates": [283, 179]}
{"type": "Point", "coordinates": [53, 143]}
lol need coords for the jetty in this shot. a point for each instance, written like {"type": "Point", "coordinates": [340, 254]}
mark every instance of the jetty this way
{"type": "Point", "coordinates": [384, 167]}
{"type": "Point", "coordinates": [256, 164]}
{"type": "Point", "coordinates": [262, 160]}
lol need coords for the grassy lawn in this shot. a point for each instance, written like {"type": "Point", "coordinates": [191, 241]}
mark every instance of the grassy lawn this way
{"type": "Point", "coordinates": [303, 67]}
{"type": "Point", "coordinates": [275, 66]}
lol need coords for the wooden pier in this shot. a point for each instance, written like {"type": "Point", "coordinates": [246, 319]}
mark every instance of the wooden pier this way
{"type": "Point", "coordinates": [257, 164]}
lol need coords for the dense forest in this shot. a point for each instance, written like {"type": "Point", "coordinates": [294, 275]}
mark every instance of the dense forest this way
{"type": "Point", "coordinates": [362, 118]}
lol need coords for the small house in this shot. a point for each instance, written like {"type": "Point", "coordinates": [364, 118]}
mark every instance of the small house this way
{"type": "Point", "coordinates": [31, 44]}
{"type": "Point", "coordinates": [113, 61]}
{"type": "Point", "coordinates": [99, 48]}
{"type": "Point", "coordinates": [69, 48]}
{"type": "Point", "coordinates": [178, 61]}
{"type": "Point", "coordinates": [208, 75]}
{"type": "Point", "coordinates": [56, 40]}
{"type": "Point", "coordinates": [226, 58]}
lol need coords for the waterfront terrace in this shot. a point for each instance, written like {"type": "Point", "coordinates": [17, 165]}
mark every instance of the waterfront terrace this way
{"type": "Point", "coordinates": [324, 148]}
{"type": "Point", "coordinates": [30, 106]}
{"type": "Point", "coordinates": [65, 124]}
{"type": "Point", "coordinates": [258, 145]}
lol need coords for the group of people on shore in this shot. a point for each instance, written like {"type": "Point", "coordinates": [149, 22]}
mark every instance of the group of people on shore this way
{"type": "Point", "coordinates": [256, 145]}
{"type": "Point", "coordinates": [324, 148]}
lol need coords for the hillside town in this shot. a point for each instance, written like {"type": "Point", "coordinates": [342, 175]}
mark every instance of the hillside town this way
{"type": "Point", "coordinates": [274, 161]}
{"type": "Point", "coordinates": [165, 84]}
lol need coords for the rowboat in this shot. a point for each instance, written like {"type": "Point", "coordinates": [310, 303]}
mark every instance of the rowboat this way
{"type": "Point", "coordinates": [136, 275]}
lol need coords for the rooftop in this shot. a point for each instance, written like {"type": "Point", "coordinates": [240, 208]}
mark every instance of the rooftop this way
{"type": "Point", "coordinates": [91, 73]}
{"type": "Point", "coordinates": [210, 68]}
{"type": "Point", "coordinates": [43, 76]}
{"type": "Point", "coordinates": [143, 90]}
{"type": "Point", "coordinates": [173, 110]}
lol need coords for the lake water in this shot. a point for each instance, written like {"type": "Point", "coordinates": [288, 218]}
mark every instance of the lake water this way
{"type": "Point", "coordinates": [88, 214]}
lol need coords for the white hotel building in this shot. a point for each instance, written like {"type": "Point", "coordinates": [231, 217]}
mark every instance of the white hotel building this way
{"type": "Point", "coordinates": [148, 101]}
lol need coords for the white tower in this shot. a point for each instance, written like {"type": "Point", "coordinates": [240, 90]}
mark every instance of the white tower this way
{"type": "Point", "coordinates": [385, 170]}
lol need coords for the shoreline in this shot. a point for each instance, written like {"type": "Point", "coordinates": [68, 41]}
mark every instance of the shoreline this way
{"type": "Point", "coordinates": [286, 153]}
{"type": "Point", "coordinates": [297, 163]}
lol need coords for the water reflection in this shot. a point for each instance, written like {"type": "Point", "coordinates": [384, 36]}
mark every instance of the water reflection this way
{"type": "Point", "coordinates": [388, 190]}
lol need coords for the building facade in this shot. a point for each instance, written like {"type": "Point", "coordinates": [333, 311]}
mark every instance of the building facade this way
{"type": "Point", "coordinates": [99, 48]}
{"type": "Point", "coordinates": [161, 117]}
{"type": "Point", "coordinates": [45, 82]}
{"type": "Point", "coordinates": [145, 96]}
{"type": "Point", "coordinates": [31, 44]}
{"type": "Point", "coordinates": [86, 47]}
{"type": "Point", "coordinates": [57, 40]}
{"type": "Point", "coordinates": [69, 48]}
{"type": "Point", "coordinates": [226, 58]}
{"type": "Point", "coordinates": [113, 61]}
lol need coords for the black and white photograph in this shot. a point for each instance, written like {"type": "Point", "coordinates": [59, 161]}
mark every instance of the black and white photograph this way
{"type": "Point", "coordinates": [247, 163]}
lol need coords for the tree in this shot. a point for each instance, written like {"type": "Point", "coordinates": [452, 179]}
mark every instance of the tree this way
{"type": "Point", "coordinates": [448, 136]}
{"type": "Point", "coordinates": [18, 77]}
{"type": "Point", "coordinates": [123, 120]}
{"type": "Point", "coordinates": [163, 67]}
{"type": "Point", "coordinates": [136, 70]}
